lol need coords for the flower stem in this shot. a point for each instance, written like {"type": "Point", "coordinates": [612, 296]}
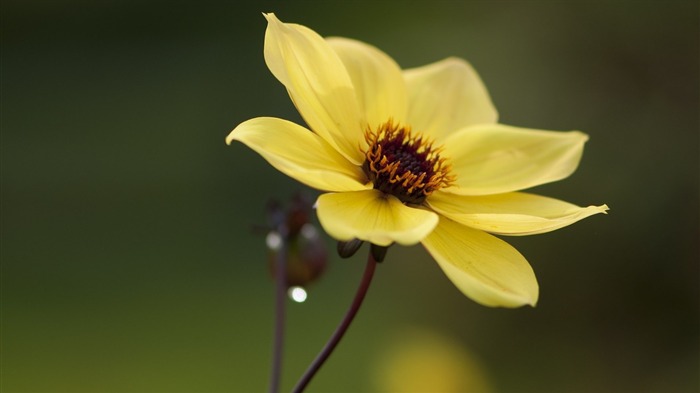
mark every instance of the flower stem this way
{"type": "Point", "coordinates": [280, 289]}
{"type": "Point", "coordinates": [342, 327]}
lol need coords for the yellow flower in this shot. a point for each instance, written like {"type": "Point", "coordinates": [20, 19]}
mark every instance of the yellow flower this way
{"type": "Point", "coordinates": [414, 155]}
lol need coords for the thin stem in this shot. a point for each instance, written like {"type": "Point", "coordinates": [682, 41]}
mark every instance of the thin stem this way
{"type": "Point", "coordinates": [342, 327]}
{"type": "Point", "coordinates": [280, 289]}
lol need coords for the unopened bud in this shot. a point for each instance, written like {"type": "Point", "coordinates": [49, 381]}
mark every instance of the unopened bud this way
{"type": "Point", "coordinates": [379, 252]}
{"type": "Point", "coordinates": [349, 248]}
{"type": "Point", "coordinates": [293, 233]}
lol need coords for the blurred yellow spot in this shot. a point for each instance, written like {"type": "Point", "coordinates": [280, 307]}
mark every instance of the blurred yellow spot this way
{"type": "Point", "coordinates": [418, 360]}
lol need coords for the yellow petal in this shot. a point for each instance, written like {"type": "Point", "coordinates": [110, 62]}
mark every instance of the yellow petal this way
{"type": "Point", "coordinates": [485, 268]}
{"type": "Point", "coordinates": [447, 96]}
{"type": "Point", "coordinates": [495, 158]}
{"type": "Point", "coordinates": [300, 154]}
{"type": "Point", "coordinates": [317, 83]}
{"type": "Point", "coordinates": [514, 213]}
{"type": "Point", "coordinates": [377, 79]}
{"type": "Point", "coordinates": [373, 216]}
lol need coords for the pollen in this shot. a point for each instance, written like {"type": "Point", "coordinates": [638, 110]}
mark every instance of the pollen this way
{"type": "Point", "coordinates": [404, 164]}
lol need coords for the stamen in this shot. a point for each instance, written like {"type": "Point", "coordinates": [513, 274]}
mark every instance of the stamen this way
{"type": "Point", "coordinates": [404, 165]}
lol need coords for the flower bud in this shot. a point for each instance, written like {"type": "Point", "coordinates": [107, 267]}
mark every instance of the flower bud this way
{"type": "Point", "coordinates": [294, 234]}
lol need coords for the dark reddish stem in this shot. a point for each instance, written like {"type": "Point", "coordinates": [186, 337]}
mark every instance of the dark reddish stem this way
{"type": "Point", "coordinates": [342, 327]}
{"type": "Point", "coordinates": [280, 292]}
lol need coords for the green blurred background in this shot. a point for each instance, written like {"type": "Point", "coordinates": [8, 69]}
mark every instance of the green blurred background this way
{"type": "Point", "coordinates": [128, 260]}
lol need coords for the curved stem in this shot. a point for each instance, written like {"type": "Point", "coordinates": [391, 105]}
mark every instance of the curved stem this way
{"type": "Point", "coordinates": [342, 327]}
{"type": "Point", "coordinates": [280, 289]}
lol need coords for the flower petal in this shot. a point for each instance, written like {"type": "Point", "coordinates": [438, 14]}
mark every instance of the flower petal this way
{"type": "Point", "coordinates": [485, 268]}
{"type": "Point", "coordinates": [373, 216]}
{"type": "Point", "coordinates": [446, 96]}
{"type": "Point", "coordinates": [300, 154]}
{"type": "Point", "coordinates": [317, 83]}
{"type": "Point", "coordinates": [514, 213]}
{"type": "Point", "coordinates": [378, 81]}
{"type": "Point", "coordinates": [495, 158]}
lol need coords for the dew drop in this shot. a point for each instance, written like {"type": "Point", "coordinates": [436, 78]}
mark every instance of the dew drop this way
{"type": "Point", "coordinates": [298, 294]}
{"type": "Point", "coordinates": [309, 232]}
{"type": "Point", "coordinates": [273, 241]}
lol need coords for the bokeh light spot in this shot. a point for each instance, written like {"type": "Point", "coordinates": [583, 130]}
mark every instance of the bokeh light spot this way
{"type": "Point", "coordinates": [273, 241]}
{"type": "Point", "coordinates": [298, 294]}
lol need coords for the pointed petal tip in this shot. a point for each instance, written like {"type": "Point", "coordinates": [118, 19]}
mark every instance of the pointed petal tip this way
{"type": "Point", "coordinates": [582, 134]}
{"type": "Point", "coordinates": [532, 303]}
{"type": "Point", "coordinates": [272, 19]}
{"type": "Point", "coordinates": [229, 138]}
{"type": "Point", "coordinates": [233, 135]}
{"type": "Point", "coordinates": [598, 209]}
{"type": "Point", "coordinates": [508, 302]}
{"type": "Point", "coordinates": [525, 298]}
{"type": "Point", "coordinates": [517, 302]}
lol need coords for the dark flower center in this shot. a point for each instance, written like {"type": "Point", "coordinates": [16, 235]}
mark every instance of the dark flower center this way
{"type": "Point", "coordinates": [403, 165]}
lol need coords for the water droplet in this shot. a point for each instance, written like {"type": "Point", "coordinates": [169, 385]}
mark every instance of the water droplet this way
{"type": "Point", "coordinates": [298, 294]}
{"type": "Point", "coordinates": [309, 232]}
{"type": "Point", "coordinates": [273, 241]}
